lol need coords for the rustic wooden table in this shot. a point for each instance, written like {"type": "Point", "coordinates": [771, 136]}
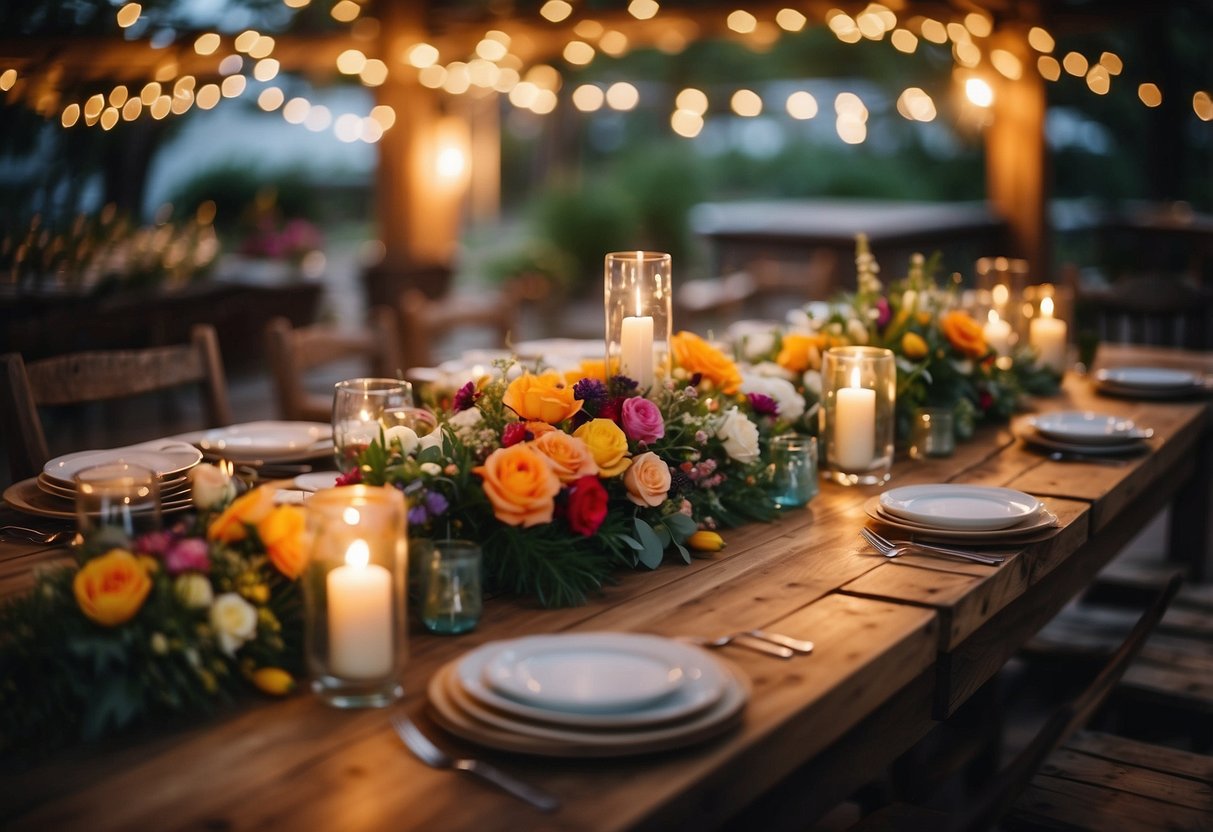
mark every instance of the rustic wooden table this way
{"type": "Point", "coordinates": [900, 645]}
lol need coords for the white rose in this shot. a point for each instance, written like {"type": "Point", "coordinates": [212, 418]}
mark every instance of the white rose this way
{"type": "Point", "coordinates": [407, 436]}
{"type": "Point", "coordinates": [194, 590]}
{"type": "Point", "coordinates": [769, 369]}
{"type": "Point", "coordinates": [433, 439]}
{"type": "Point", "coordinates": [234, 621]}
{"type": "Point", "coordinates": [210, 486]}
{"type": "Point", "coordinates": [856, 331]}
{"type": "Point", "coordinates": [740, 436]}
{"type": "Point", "coordinates": [431, 468]}
{"type": "Point", "coordinates": [465, 422]}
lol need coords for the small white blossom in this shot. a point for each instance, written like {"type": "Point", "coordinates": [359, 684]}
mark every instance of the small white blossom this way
{"type": "Point", "coordinates": [193, 590]}
{"type": "Point", "coordinates": [234, 621]}
{"type": "Point", "coordinates": [405, 435]}
{"type": "Point", "coordinates": [812, 381]}
{"type": "Point", "coordinates": [857, 333]}
{"type": "Point", "coordinates": [431, 468]}
{"type": "Point", "coordinates": [211, 487]}
{"type": "Point", "coordinates": [740, 436]}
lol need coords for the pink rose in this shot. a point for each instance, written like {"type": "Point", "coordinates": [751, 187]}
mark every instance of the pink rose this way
{"type": "Point", "coordinates": [647, 480]}
{"type": "Point", "coordinates": [188, 555]}
{"type": "Point", "coordinates": [642, 420]}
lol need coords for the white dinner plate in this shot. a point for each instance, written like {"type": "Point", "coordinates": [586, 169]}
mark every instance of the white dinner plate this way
{"type": "Point", "coordinates": [166, 457]}
{"type": "Point", "coordinates": [266, 441]}
{"type": "Point", "coordinates": [959, 506]}
{"type": "Point", "coordinates": [701, 687]}
{"type": "Point", "coordinates": [1034, 437]}
{"type": "Point", "coordinates": [27, 497]}
{"type": "Point", "coordinates": [587, 673]}
{"type": "Point", "coordinates": [1151, 378]}
{"type": "Point", "coordinates": [316, 480]}
{"type": "Point", "coordinates": [169, 488]}
{"type": "Point", "coordinates": [1087, 428]}
{"type": "Point", "coordinates": [1040, 527]}
{"type": "Point", "coordinates": [463, 715]}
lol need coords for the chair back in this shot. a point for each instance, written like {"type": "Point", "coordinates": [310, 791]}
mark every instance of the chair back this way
{"type": "Point", "coordinates": [425, 321]}
{"type": "Point", "coordinates": [994, 802]}
{"type": "Point", "coordinates": [299, 355]}
{"type": "Point", "coordinates": [81, 378]}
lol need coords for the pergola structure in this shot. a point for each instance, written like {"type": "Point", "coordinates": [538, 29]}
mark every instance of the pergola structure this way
{"type": "Point", "coordinates": [1005, 42]}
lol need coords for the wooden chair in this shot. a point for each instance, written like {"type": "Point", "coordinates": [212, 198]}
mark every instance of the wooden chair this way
{"type": "Point", "coordinates": [425, 321]}
{"type": "Point", "coordinates": [296, 354]}
{"type": "Point", "coordinates": [95, 376]}
{"type": "Point", "coordinates": [1162, 311]}
{"type": "Point", "coordinates": [1014, 792]}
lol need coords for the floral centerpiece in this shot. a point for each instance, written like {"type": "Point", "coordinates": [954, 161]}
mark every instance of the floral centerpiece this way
{"type": "Point", "coordinates": [171, 622]}
{"type": "Point", "coordinates": [942, 356]}
{"type": "Point", "coordinates": [564, 478]}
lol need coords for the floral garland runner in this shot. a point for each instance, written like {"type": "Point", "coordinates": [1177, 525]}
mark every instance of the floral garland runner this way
{"type": "Point", "coordinates": [170, 623]}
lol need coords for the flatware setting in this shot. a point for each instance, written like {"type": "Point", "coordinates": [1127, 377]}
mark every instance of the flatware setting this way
{"type": "Point", "coordinates": [426, 751]}
{"type": "Point", "coordinates": [897, 548]}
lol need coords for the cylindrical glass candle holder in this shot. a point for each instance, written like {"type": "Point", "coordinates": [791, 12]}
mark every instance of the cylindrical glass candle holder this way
{"type": "Point", "coordinates": [354, 595]}
{"type": "Point", "coordinates": [361, 408]}
{"type": "Point", "coordinates": [637, 298]}
{"type": "Point", "coordinates": [1046, 308]}
{"type": "Point", "coordinates": [933, 433]}
{"type": "Point", "coordinates": [859, 391]}
{"type": "Point", "coordinates": [452, 596]}
{"type": "Point", "coordinates": [794, 469]}
{"type": "Point", "coordinates": [115, 503]}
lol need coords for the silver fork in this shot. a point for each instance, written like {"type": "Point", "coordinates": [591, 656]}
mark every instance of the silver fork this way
{"type": "Point", "coordinates": [894, 548]}
{"type": "Point", "coordinates": [435, 757]}
{"type": "Point", "coordinates": [754, 643]}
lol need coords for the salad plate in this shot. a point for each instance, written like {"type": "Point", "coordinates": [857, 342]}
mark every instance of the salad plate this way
{"type": "Point", "coordinates": [960, 507]}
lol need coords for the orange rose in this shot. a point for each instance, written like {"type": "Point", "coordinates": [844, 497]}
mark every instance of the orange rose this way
{"type": "Point", "coordinates": [800, 352]}
{"type": "Point", "coordinates": [696, 355]}
{"type": "Point", "coordinates": [538, 429]}
{"type": "Point", "coordinates": [246, 510]}
{"type": "Point", "coordinates": [521, 485]}
{"type": "Point", "coordinates": [110, 589]}
{"type": "Point", "coordinates": [964, 333]}
{"type": "Point", "coordinates": [571, 458]}
{"type": "Point", "coordinates": [590, 368]}
{"type": "Point", "coordinates": [647, 480]}
{"type": "Point", "coordinates": [282, 531]}
{"type": "Point", "coordinates": [544, 397]}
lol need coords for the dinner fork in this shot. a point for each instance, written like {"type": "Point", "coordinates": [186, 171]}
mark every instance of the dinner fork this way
{"type": "Point", "coordinates": [435, 757]}
{"type": "Point", "coordinates": [754, 643]}
{"type": "Point", "coordinates": [895, 548]}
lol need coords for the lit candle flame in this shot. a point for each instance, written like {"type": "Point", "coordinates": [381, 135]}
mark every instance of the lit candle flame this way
{"type": "Point", "coordinates": [992, 317]}
{"type": "Point", "coordinates": [359, 554]}
{"type": "Point", "coordinates": [856, 379]}
{"type": "Point", "coordinates": [1046, 307]}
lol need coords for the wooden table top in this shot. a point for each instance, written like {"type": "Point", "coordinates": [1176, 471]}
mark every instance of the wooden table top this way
{"type": "Point", "coordinates": [899, 644]}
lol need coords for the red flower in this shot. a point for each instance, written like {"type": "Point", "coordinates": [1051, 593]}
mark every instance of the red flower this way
{"type": "Point", "coordinates": [587, 505]}
{"type": "Point", "coordinates": [514, 433]}
{"type": "Point", "coordinates": [350, 477]}
{"type": "Point", "coordinates": [985, 400]}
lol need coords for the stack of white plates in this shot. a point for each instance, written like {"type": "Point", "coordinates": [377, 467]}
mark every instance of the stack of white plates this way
{"type": "Point", "coordinates": [1149, 382]}
{"type": "Point", "coordinates": [588, 695]}
{"type": "Point", "coordinates": [957, 512]}
{"type": "Point", "coordinates": [1084, 432]}
{"type": "Point", "coordinates": [256, 442]}
{"type": "Point", "coordinates": [53, 492]}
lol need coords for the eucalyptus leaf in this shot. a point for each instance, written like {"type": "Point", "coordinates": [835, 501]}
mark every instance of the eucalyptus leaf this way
{"type": "Point", "coordinates": [653, 550]}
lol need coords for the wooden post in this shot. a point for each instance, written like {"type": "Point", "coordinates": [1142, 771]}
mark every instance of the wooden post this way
{"type": "Point", "coordinates": [1016, 161]}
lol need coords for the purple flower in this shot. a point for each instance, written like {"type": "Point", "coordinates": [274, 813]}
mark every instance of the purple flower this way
{"type": "Point", "coordinates": [155, 543]}
{"type": "Point", "coordinates": [188, 555]}
{"type": "Point", "coordinates": [642, 420]}
{"type": "Point", "coordinates": [762, 404]}
{"type": "Point", "coordinates": [591, 391]}
{"type": "Point", "coordinates": [884, 312]}
{"type": "Point", "coordinates": [436, 503]}
{"type": "Point", "coordinates": [465, 397]}
{"type": "Point", "coordinates": [418, 516]}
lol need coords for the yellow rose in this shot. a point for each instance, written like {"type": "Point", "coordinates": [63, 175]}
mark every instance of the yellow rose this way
{"type": "Point", "coordinates": [647, 480]}
{"type": "Point", "coordinates": [544, 397]}
{"type": "Point", "coordinates": [110, 589]}
{"type": "Point", "coordinates": [608, 444]}
{"type": "Point", "coordinates": [570, 457]}
{"type": "Point", "coordinates": [696, 355]}
{"type": "Point", "coordinates": [799, 352]}
{"type": "Point", "coordinates": [913, 346]}
{"type": "Point", "coordinates": [964, 333]}
{"type": "Point", "coordinates": [283, 532]}
{"type": "Point", "coordinates": [247, 510]}
{"type": "Point", "coordinates": [521, 485]}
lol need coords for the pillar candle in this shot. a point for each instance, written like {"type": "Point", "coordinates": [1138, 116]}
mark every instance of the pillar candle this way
{"type": "Point", "coordinates": [998, 334]}
{"type": "Point", "coordinates": [360, 616]}
{"type": "Point", "coordinates": [1047, 336]}
{"type": "Point", "coordinates": [855, 427]}
{"type": "Point", "coordinates": [636, 350]}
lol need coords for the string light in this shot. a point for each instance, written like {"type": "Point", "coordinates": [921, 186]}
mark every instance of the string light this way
{"type": "Point", "coordinates": [1006, 64]}
{"type": "Point", "coordinates": [71, 114]}
{"type": "Point", "coordinates": [746, 103]}
{"type": "Point", "coordinates": [686, 123]}
{"type": "Point", "coordinates": [904, 40]}
{"type": "Point", "coordinates": [555, 11]}
{"type": "Point", "coordinates": [149, 93]}
{"type": "Point", "coordinates": [1098, 80]}
{"type": "Point", "coordinates": [578, 52]}
{"type": "Point", "coordinates": [266, 69]}
{"type": "Point", "coordinates": [692, 100]}
{"type": "Point", "coordinates": [622, 96]}
{"type": "Point", "coordinates": [1149, 94]}
{"type": "Point", "coordinates": [7, 79]}
{"type": "Point", "coordinates": [1048, 67]}
{"type": "Point", "coordinates": [613, 43]}
{"type": "Point", "coordinates": [643, 9]}
{"type": "Point", "coordinates": [245, 41]}
{"type": "Point", "coordinates": [790, 20]}
{"type": "Point", "coordinates": [1075, 64]}
{"type": "Point", "coordinates": [1040, 40]}
{"type": "Point", "coordinates": [232, 86]}
{"type": "Point", "coordinates": [801, 105]}
{"type": "Point", "coordinates": [351, 61]}
{"type": "Point", "coordinates": [1202, 104]}
{"type": "Point", "coordinates": [741, 22]}
{"type": "Point", "coordinates": [270, 99]}
{"type": "Point", "coordinates": [588, 98]}
{"type": "Point", "coordinates": [128, 15]}
{"type": "Point", "coordinates": [207, 44]}
{"type": "Point", "coordinates": [118, 96]}
{"type": "Point", "coordinates": [345, 11]}
{"type": "Point", "coordinates": [979, 93]}
{"type": "Point", "coordinates": [934, 31]}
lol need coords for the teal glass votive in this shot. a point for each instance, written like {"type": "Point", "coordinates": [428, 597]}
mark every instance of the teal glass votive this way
{"type": "Point", "coordinates": [794, 475]}
{"type": "Point", "coordinates": [452, 598]}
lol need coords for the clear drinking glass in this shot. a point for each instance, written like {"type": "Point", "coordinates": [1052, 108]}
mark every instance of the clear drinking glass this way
{"type": "Point", "coordinates": [361, 408]}
{"type": "Point", "coordinates": [116, 502]}
{"type": "Point", "coordinates": [794, 478]}
{"type": "Point", "coordinates": [452, 598]}
{"type": "Point", "coordinates": [933, 432]}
